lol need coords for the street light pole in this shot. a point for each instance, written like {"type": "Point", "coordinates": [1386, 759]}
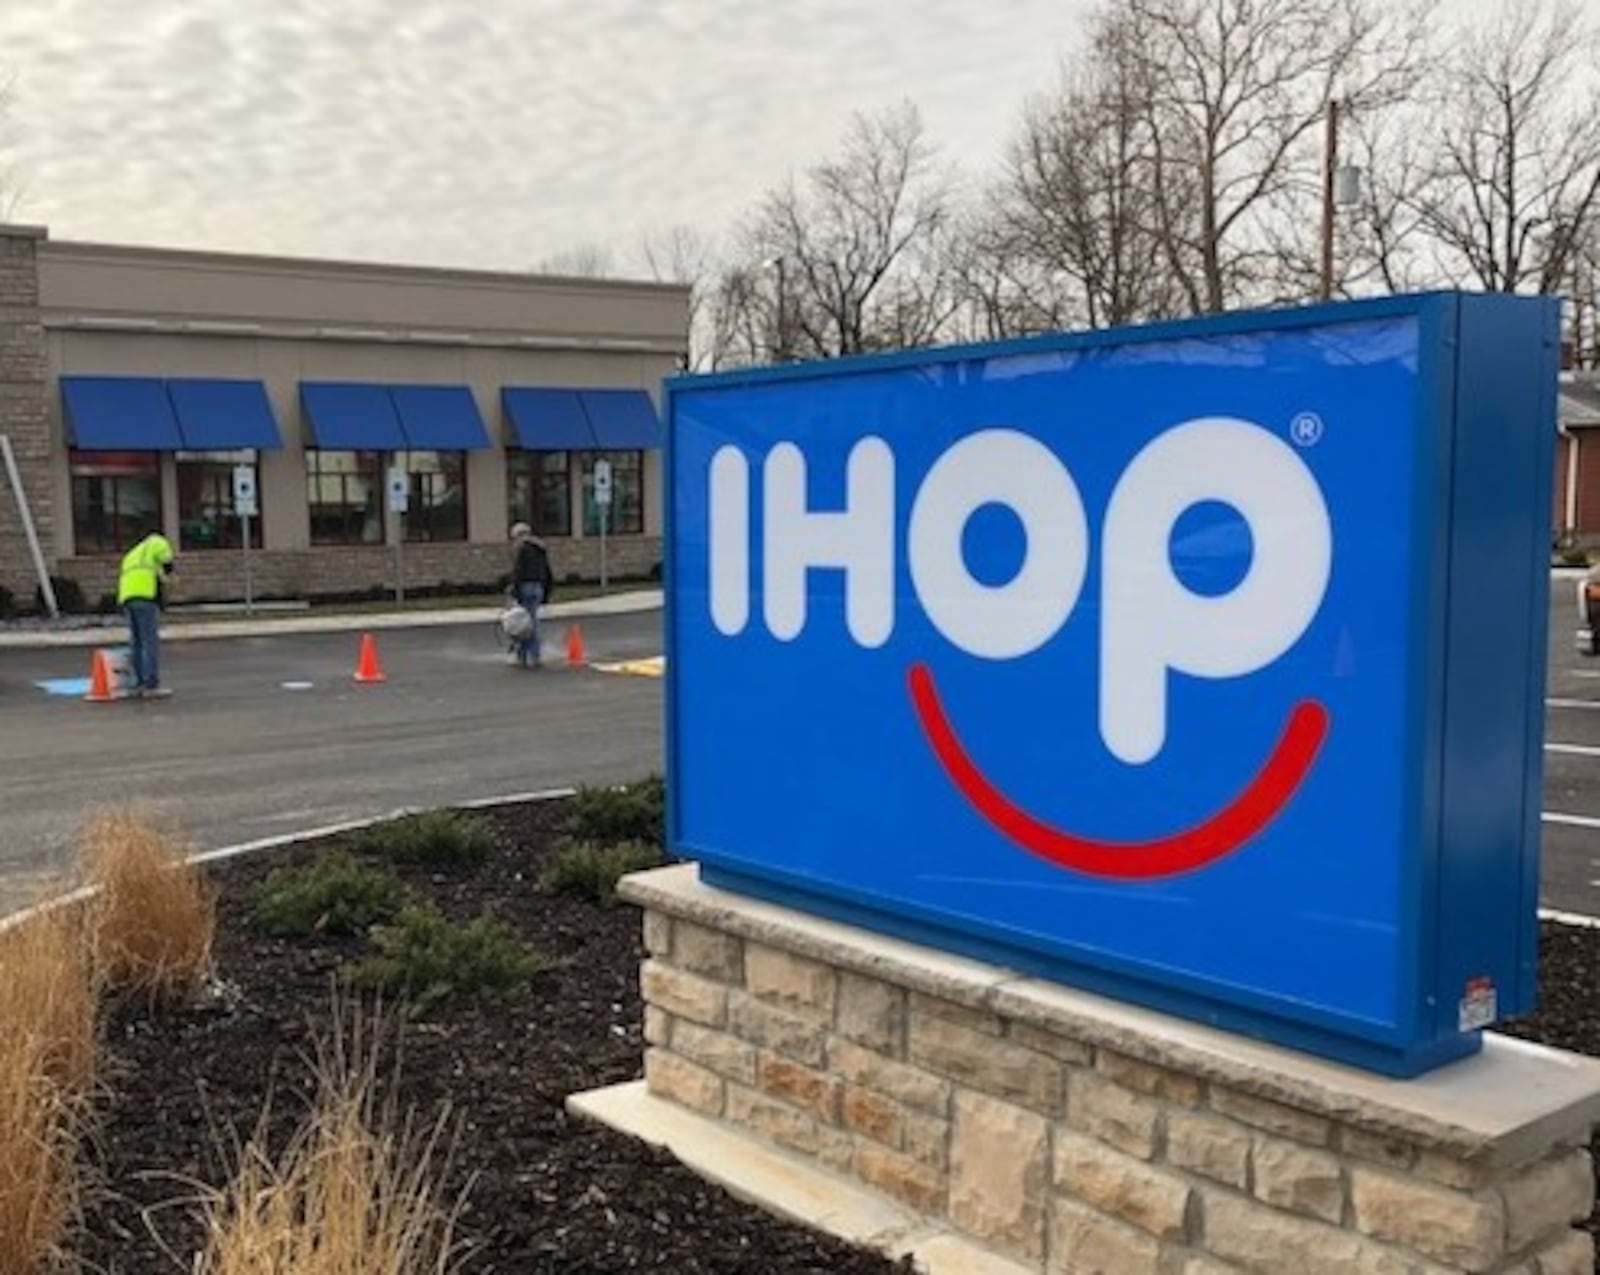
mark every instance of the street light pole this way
{"type": "Point", "coordinates": [776, 265]}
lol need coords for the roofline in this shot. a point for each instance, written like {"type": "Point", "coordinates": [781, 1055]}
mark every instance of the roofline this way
{"type": "Point", "coordinates": [137, 253]}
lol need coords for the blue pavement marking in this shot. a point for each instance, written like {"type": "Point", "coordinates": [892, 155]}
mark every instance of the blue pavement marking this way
{"type": "Point", "coordinates": [64, 685]}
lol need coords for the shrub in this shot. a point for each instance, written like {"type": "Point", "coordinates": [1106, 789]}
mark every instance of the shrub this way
{"type": "Point", "coordinates": [353, 1193]}
{"type": "Point", "coordinates": [48, 993]}
{"type": "Point", "coordinates": [40, 1126]}
{"type": "Point", "coordinates": [609, 816]}
{"type": "Point", "coordinates": [426, 959]}
{"type": "Point", "coordinates": [593, 871]}
{"type": "Point", "coordinates": [155, 915]}
{"type": "Point", "coordinates": [69, 596]}
{"type": "Point", "coordinates": [436, 838]}
{"type": "Point", "coordinates": [336, 895]}
{"type": "Point", "coordinates": [8, 603]}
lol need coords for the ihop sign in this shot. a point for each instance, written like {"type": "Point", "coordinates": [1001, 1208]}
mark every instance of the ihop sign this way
{"type": "Point", "coordinates": [1198, 665]}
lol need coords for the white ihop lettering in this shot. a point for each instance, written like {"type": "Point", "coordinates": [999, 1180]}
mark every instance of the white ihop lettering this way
{"type": "Point", "coordinates": [1152, 625]}
{"type": "Point", "coordinates": [999, 467]}
{"type": "Point", "coordinates": [859, 540]}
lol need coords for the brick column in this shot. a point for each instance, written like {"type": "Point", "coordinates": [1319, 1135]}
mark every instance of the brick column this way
{"type": "Point", "coordinates": [24, 413]}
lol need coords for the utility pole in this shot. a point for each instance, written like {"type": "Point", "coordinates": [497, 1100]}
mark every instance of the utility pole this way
{"type": "Point", "coordinates": [777, 266]}
{"type": "Point", "coordinates": [1330, 161]}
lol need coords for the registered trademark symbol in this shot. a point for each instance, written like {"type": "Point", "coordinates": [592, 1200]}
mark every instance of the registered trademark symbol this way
{"type": "Point", "coordinates": [1306, 429]}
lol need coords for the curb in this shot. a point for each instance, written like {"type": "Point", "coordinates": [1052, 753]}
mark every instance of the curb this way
{"type": "Point", "coordinates": [115, 634]}
{"type": "Point", "coordinates": [223, 853]}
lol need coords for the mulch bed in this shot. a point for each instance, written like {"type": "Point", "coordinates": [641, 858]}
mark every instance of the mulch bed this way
{"type": "Point", "coordinates": [543, 1193]}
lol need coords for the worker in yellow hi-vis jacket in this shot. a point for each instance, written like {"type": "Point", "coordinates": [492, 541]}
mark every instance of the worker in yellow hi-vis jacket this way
{"type": "Point", "coordinates": [144, 569]}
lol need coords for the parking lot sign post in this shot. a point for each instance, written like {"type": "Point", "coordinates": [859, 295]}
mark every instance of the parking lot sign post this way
{"type": "Point", "coordinates": [399, 501]}
{"type": "Point", "coordinates": [246, 507]}
{"type": "Point", "coordinates": [602, 500]}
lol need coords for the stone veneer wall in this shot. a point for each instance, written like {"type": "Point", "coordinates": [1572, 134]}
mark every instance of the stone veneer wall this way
{"type": "Point", "coordinates": [24, 413]}
{"type": "Point", "coordinates": [216, 575]}
{"type": "Point", "coordinates": [1072, 1143]}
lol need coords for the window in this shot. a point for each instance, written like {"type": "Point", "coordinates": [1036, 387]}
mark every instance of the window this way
{"type": "Point", "coordinates": [345, 492]}
{"type": "Point", "coordinates": [438, 496]}
{"type": "Point", "coordinates": [538, 492]}
{"type": "Point", "coordinates": [206, 519]}
{"type": "Point", "coordinates": [627, 494]}
{"type": "Point", "coordinates": [116, 499]}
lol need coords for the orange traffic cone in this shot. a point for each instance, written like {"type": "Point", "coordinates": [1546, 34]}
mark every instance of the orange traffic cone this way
{"type": "Point", "coordinates": [100, 691]}
{"type": "Point", "coordinates": [367, 667]}
{"type": "Point", "coordinates": [576, 658]}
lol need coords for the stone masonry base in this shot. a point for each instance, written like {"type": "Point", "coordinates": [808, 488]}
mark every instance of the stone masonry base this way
{"type": "Point", "coordinates": [1068, 1133]}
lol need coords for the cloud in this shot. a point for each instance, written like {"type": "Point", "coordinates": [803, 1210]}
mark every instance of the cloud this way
{"type": "Point", "coordinates": [419, 130]}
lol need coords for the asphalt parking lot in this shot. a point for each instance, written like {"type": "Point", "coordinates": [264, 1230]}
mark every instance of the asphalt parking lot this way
{"type": "Point", "coordinates": [269, 735]}
{"type": "Point", "coordinates": [261, 739]}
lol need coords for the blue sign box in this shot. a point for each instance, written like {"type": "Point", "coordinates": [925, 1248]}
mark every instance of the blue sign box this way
{"type": "Point", "coordinates": [1200, 665]}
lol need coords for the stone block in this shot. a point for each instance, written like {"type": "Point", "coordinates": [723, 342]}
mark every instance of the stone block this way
{"type": "Point", "coordinates": [986, 1063]}
{"type": "Point", "coordinates": [1292, 1176]}
{"type": "Point", "coordinates": [795, 1036]}
{"type": "Point", "coordinates": [906, 1084]}
{"type": "Point", "coordinates": [709, 953]}
{"type": "Point", "coordinates": [658, 934]}
{"type": "Point", "coordinates": [973, 1019]}
{"type": "Point", "coordinates": [1272, 1117]}
{"type": "Point", "coordinates": [1392, 1153]}
{"type": "Point", "coordinates": [657, 1026]}
{"type": "Point", "coordinates": [872, 1115]}
{"type": "Point", "coordinates": [900, 1176]}
{"type": "Point", "coordinates": [1547, 1198]}
{"type": "Point", "coordinates": [1269, 1242]}
{"type": "Point", "coordinates": [814, 1092]}
{"type": "Point", "coordinates": [1461, 1230]}
{"type": "Point", "coordinates": [1572, 1254]}
{"type": "Point", "coordinates": [872, 1014]}
{"type": "Point", "coordinates": [1084, 1242]}
{"type": "Point", "coordinates": [926, 1139]}
{"type": "Point", "coordinates": [1051, 1044]}
{"type": "Point", "coordinates": [780, 1123]}
{"type": "Point", "coordinates": [683, 1082]}
{"type": "Point", "coordinates": [1105, 1110]}
{"type": "Point", "coordinates": [684, 995]}
{"type": "Point", "coordinates": [1147, 1078]}
{"type": "Point", "coordinates": [783, 978]}
{"type": "Point", "coordinates": [999, 1171]}
{"type": "Point", "coordinates": [1153, 1199]}
{"type": "Point", "coordinates": [716, 1051]}
{"type": "Point", "coordinates": [1209, 1146]}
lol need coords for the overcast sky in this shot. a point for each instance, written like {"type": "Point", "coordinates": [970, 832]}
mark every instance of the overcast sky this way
{"type": "Point", "coordinates": [490, 133]}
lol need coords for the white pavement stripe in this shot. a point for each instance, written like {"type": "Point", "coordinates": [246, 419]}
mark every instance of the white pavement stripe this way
{"type": "Point", "coordinates": [1569, 918]}
{"type": "Point", "coordinates": [1572, 703]}
{"type": "Point", "coordinates": [1576, 750]}
{"type": "Point", "coordinates": [1570, 821]}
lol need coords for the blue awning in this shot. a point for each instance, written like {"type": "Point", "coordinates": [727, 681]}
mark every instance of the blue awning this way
{"type": "Point", "coordinates": [623, 420]}
{"type": "Point", "coordinates": [119, 414]}
{"type": "Point", "coordinates": [547, 420]}
{"type": "Point", "coordinates": [439, 418]}
{"type": "Point", "coordinates": [352, 417]}
{"type": "Point", "coordinates": [221, 416]}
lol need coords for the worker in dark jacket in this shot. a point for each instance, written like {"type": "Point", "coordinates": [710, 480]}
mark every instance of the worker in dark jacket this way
{"type": "Point", "coordinates": [531, 582]}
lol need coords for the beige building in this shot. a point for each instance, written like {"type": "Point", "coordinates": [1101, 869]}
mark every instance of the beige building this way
{"type": "Point", "coordinates": [134, 382]}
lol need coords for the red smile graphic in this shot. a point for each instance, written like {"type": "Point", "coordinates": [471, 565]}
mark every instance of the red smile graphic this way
{"type": "Point", "coordinates": [1262, 799]}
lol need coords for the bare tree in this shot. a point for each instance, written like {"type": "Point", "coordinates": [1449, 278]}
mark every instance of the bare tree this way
{"type": "Point", "coordinates": [1516, 181]}
{"type": "Point", "coordinates": [1234, 93]}
{"type": "Point", "coordinates": [682, 254]}
{"type": "Point", "coordinates": [1072, 232]}
{"type": "Point", "coordinates": [586, 261]}
{"type": "Point", "coordinates": [855, 257]}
